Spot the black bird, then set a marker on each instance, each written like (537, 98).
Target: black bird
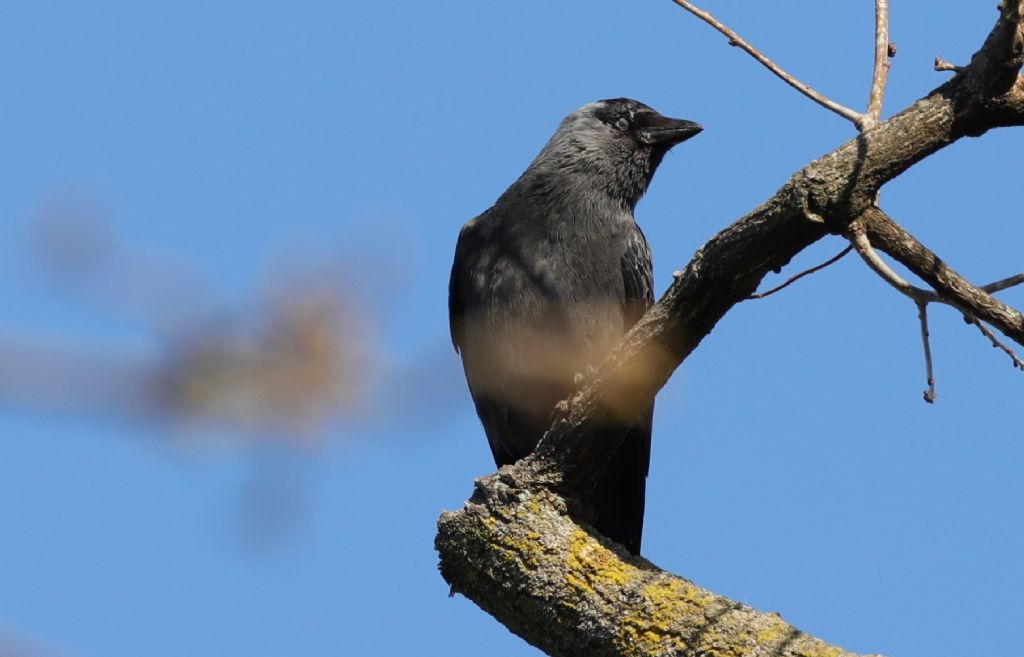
(549, 279)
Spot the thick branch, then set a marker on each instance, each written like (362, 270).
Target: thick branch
(826, 196)
(859, 240)
(997, 65)
(521, 549)
(570, 593)
(977, 297)
(953, 288)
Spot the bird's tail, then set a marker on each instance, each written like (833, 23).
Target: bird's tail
(619, 498)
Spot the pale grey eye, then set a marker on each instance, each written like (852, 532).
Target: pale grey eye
(622, 124)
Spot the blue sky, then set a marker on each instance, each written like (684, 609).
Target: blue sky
(795, 467)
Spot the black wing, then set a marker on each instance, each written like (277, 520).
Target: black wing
(503, 401)
(619, 498)
(637, 278)
(457, 290)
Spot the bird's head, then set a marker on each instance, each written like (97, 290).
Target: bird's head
(617, 144)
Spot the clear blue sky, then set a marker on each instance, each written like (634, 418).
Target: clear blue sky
(795, 467)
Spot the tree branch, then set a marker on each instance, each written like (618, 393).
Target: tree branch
(922, 316)
(860, 241)
(996, 342)
(1004, 284)
(807, 272)
(996, 66)
(569, 592)
(521, 548)
(951, 287)
(975, 299)
(883, 52)
(736, 40)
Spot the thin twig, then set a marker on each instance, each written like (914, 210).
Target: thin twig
(1003, 284)
(996, 342)
(881, 72)
(859, 240)
(922, 314)
(736, 40)
(926, 265)
(831, 261)
(1008, 282)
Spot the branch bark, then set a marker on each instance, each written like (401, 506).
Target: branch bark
(951, 287)
(521, 547)
(570, 592)
(883, 53)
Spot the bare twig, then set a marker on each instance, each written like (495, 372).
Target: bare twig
(1011, 281)
(916, 293)
(953, 288)
(942, 65)
(859, 240)
(512, 547)
(922, 315)
(881, 72)
(831, 261)
(996, 342)
(736, 40)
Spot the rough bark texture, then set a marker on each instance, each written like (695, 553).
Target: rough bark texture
(549, 577)
(521, 549)
(892, 238)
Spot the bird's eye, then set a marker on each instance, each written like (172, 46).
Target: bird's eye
(622, 124)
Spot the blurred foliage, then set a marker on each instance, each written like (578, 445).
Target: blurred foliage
(305, 358)
(10, 647)
(285, 367)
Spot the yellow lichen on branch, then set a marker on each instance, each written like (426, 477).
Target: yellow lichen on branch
(516, 549)
(557, 569)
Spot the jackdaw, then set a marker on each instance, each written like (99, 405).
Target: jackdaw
(548, 280)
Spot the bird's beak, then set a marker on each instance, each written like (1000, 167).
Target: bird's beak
(667, 132)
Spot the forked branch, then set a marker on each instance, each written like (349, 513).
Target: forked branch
(884, 51)
(859, 239)
(521, 547)
(952, 288)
